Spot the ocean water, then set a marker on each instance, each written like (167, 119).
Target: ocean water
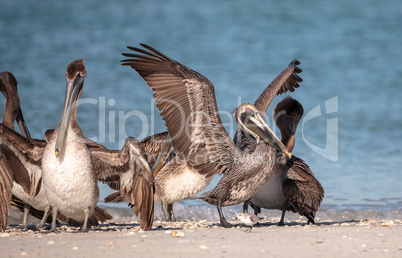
(349, 52)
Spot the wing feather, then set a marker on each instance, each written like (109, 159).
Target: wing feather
(187, 103)
(6, 185)
(24, 157)
(20, 161)
(287, 80)
(134, 173)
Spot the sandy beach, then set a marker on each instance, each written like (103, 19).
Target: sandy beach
(370, 237)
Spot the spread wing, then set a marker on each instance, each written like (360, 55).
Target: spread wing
(154, 144)
(6, 185)
(287, 80)
(187, 103)
(20, 161)
(24, 157)
(134, 175)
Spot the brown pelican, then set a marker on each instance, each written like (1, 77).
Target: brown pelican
(39, 201)
(177, 180)
(292, 186)
(21, 199)
(79, 163)
(8, 86)
(188, 107)
(71, 164)
(174, 180)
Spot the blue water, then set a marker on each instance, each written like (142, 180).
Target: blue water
(349, 52)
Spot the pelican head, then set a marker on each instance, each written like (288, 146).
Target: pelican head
(8, 86)
(75, 81)
(250, 121)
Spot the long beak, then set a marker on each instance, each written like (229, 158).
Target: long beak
(256, 124)
(22, 125)
(162, 156)
(72, 94)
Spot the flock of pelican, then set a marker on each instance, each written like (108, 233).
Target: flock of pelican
(56, 179)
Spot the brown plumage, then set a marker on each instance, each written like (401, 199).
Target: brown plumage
(187, 103)
(137, 188)
(175, 180)
(12, 113)
(172, 181)
(293, 186)
(127, 163)
(287, 80)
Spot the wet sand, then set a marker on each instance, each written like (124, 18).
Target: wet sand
(370, 237)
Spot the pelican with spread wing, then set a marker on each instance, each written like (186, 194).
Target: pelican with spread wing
(175, 179)
(187, 103)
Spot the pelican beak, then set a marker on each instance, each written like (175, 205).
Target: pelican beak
(162, 156)
(73, 92)
(256, 124)
(22, 125)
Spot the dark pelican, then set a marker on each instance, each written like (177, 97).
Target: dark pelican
(8, 86)
(71, 165)
(21, 198)
(176, 179)
(13, 112)
(292, 186)
(188, 107)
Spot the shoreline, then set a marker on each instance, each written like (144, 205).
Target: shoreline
(368, 237)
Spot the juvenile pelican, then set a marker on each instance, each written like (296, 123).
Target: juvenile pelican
(292, 186)
(12, 113)
(22, 198)
(188, 107)
(176, 180)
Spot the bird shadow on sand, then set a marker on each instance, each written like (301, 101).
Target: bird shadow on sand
(181, 225)
(291, 224)
(298, 224)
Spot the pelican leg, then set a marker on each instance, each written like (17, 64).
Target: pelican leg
(54, 220)
(170, 211)
(256, 209)
(44, 218)
(84, 227)
(223, 221)
(310, 220)
(281, 222)
(26, 213)
(164, 207)
(245, 207)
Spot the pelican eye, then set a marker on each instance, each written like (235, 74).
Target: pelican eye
(248, 110)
